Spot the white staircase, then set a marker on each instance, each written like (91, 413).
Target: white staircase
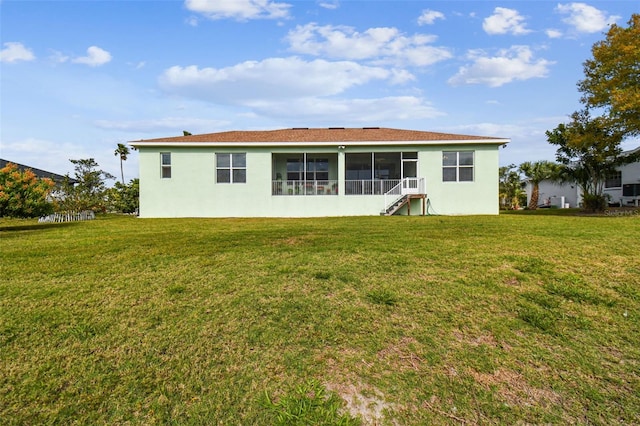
(403, 193)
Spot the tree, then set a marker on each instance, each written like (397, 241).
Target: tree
(512, 195)
(535, 173)
(22, 194)
(124, 198)
(589, 150)
(612, 77)
(89, 193)
(123, 151)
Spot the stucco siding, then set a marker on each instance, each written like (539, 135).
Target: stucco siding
(462, 198)
(630, 174)
(192, 190)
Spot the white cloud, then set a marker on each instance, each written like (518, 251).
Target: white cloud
(505, 21)
(382, 45)
(332, 111)
(176, 124)
(58, 57)
(553, 33)
(30, 151)
(241, 10)
(95, 57)
(14, 52)
(515, 63)
(272, 78)
(332, 5)
(428, 17)
(292, 89)
(192, 21)
(494, 129)
(585, 18)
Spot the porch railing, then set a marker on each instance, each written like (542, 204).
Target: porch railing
(386, 187)
(369, 187)
(304, 187)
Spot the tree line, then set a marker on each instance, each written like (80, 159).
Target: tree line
(589, 145)
(24, 195)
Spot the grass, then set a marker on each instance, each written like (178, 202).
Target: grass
(515, 318)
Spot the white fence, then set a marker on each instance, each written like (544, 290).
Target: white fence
(68, 217)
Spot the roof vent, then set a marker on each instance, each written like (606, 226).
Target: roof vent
(371, 128)
(300, 128)
(336, 128)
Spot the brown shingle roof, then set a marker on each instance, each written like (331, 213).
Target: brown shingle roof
(331, 134)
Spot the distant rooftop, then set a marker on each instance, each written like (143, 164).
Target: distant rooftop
(38, 172)
(329, 135)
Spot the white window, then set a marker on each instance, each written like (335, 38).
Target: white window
(231, 167)
(614, 180)
(457, 166)
(165, 165)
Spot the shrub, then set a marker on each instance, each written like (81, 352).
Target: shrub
(23, 194)
(594, 203)
(124, 198)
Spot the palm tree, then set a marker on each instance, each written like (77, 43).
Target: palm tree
(122, 150)
(535, 173)
(511, 188)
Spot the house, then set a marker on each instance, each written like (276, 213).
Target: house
(58, 179)
(622, 188)
(307, 172)
(555, 194)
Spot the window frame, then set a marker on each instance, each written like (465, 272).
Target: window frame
(165, 168)
(457, 166)
(317, 169)
(613, 180)
(237, 162)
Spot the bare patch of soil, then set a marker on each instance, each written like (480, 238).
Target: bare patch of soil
(400, 355)
(474, 341)
(364, 401)
(513, 388)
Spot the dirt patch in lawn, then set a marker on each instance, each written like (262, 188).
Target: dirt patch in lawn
(400, 355)
(362, 401)
(513, 388)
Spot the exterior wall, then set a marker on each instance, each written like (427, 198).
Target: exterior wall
(573, 195)
(461, 198)
(630, 175)
(553, 192)
(193, 192)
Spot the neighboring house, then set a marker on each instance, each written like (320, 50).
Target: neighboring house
(622, 188)
(553, 194)
(58, 179)
(307, 172)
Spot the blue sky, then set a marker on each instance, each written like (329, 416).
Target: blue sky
(79, 77)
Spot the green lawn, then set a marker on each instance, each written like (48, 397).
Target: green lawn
(388, 320)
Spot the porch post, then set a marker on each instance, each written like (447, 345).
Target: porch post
(341, 171)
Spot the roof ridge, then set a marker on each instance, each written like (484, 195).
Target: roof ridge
(322, 134)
